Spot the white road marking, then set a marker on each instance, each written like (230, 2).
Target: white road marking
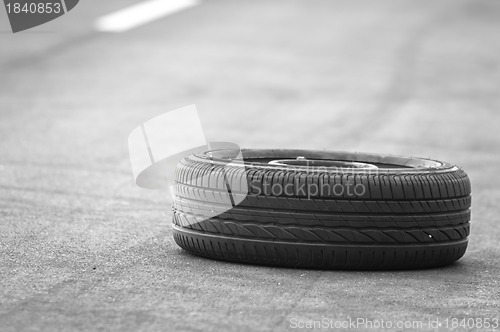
(141, 13)
(64, 6)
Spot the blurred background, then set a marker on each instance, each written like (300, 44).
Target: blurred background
(80, 243)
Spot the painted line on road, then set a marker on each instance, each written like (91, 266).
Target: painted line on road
(64, 6)
(141, 13)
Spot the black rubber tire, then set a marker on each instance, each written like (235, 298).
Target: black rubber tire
(414, 212)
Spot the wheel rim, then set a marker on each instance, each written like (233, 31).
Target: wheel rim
(317, 163)
(260, 158)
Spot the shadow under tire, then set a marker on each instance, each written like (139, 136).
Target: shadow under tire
(412, 213)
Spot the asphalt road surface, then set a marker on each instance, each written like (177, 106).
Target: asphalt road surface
(83, 248)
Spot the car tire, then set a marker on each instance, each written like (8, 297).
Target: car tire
(411, 213)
